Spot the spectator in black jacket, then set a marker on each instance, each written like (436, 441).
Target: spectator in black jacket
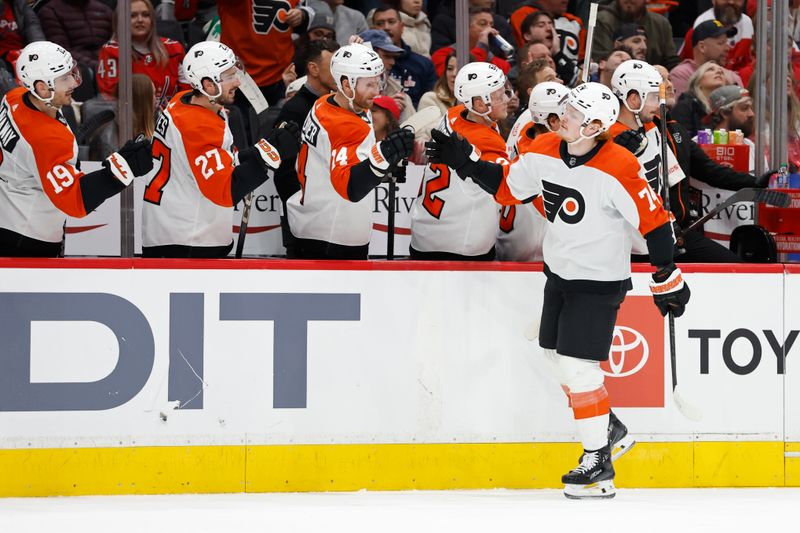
(414, 71)
(317, 64)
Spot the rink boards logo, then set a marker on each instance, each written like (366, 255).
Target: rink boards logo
(562, 202)
(635, 365)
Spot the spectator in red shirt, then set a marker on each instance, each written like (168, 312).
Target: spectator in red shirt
(156, 57)
(481, 26)
(19, 26)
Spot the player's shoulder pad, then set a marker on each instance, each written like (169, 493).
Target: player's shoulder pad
(617, 161)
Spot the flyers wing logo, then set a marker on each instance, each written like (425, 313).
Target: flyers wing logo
(270, 13)
(564, 202)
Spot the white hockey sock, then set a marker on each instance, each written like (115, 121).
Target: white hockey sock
(593, 431)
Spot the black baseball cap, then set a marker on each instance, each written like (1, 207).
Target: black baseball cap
(629, 30)
(711, 28)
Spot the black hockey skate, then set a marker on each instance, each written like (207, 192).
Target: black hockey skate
(618, 439)
(593, 478)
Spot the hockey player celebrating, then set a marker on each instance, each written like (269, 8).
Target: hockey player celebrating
(340, 163)
(188, 205)
(521, 231)
(40, 177)
(455, 219)
(593, 197)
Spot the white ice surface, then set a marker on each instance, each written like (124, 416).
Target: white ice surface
(667, 510)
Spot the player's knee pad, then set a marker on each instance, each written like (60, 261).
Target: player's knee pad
(584, 379)
(551, 360)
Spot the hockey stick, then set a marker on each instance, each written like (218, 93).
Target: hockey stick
(90, 127)
(761, 196)
(256, 98)
(687, 409)
(587, 54)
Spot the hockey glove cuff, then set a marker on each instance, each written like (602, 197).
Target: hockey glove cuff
(632, 140)
(670, 291)
(453, 151)
(268, 153)
(133, 159)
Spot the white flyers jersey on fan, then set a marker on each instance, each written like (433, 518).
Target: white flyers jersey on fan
(452, 214)
(334, 141)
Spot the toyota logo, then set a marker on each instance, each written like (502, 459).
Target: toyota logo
(628, 354)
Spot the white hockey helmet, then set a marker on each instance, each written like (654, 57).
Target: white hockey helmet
(478, 79)
(355, 61)
(45, 61)
(596, 102)
(638, 76)
(209, 59)
(546, 99)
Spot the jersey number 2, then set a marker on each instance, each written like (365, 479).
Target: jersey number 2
(155, 189)
(433, 204)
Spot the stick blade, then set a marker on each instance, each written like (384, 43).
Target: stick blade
(421, 118)
(773, 198)
(688, 410)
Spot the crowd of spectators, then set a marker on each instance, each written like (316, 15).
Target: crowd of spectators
(703, 46)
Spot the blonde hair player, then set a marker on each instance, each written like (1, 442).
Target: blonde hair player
(593, 198)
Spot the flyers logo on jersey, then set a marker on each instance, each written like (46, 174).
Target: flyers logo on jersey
(635, 365)
(562, 202)
(268, 14)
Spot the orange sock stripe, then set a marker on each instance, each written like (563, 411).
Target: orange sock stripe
(590, 404)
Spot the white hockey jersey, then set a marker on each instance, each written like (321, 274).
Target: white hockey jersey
(39, 177)
(591, 202)
(188, 202)
(334, 140)
(451, 214)
(521, 232)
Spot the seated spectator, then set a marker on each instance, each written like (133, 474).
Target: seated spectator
(632, 39)
(441, 97)
(540, 51)
(389, 53)
(533, 74)
(660, 46)
(792, 119)
(443, 28)
(793, 66)
(19, 26)
(481, 26)
(692, 106)
(319, 28)
(385, 116)
(414, 71)
(729, 13)
(709, 43)
(156, 57)
(416, 26)
(513, 111)
(732, 109)
(609, 64)
(570, 29)
(80, 26)
(346, 20)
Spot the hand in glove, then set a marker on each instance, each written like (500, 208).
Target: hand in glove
(632, 140)
(670, 292)
(763, 180)
(453, 151)
(286, 139)
(397, 146)
(135, 158)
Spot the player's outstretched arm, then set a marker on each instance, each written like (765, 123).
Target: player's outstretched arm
(458, 154)
(134, 159)
(356, 182)
(255, 162)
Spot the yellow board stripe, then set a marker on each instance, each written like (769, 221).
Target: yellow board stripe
(345, 467)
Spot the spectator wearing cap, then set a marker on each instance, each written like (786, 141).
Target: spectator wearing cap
(729, 13)
(632, 39)
(660, 46)
(385, 116)
(414, 71)
(443, 30)
(389, 53)
(481, 27)
(732, 109)
(320, 27)
(710, 42)
(693, 105)
(319, 82)
(346, 20)
(608, 65)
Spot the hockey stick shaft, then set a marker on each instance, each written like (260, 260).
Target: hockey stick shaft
(662, 105)
(247, 201)
(390, 222)
(587, 57)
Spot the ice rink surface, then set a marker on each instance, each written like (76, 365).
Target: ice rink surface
(633, 510)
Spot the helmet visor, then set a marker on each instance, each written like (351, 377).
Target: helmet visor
(69, 81)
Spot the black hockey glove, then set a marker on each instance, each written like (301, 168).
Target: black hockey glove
(387, 153)
(669, 290)
(453, 151)
(286, 139)
(763, 180)
(135, 158)
(632, 140)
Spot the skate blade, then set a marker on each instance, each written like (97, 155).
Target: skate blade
(599, 490)
(622, 447)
